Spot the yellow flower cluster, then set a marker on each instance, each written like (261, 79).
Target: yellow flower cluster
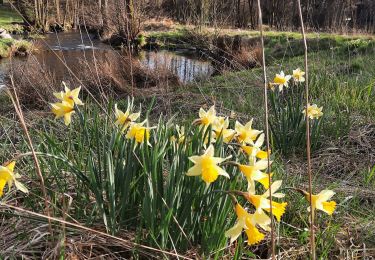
(208, 167)
(125, 120)
(65, 108)
(313, 111)
(281, 80)
(255, 171)
(243, 134)
(134, 130)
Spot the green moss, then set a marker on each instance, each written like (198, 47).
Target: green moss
(10, 46)
(5, 46)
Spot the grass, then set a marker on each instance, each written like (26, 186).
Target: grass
(341, 79)
(10, 20)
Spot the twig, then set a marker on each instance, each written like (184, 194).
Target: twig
(308, 145)
(267, 127)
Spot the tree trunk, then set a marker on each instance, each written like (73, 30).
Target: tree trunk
(57, 5)
(104, 13)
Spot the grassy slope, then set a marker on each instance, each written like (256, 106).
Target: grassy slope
(8, 19)
(342, 80)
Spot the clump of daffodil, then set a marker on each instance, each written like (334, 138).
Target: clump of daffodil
(63, 110)
(245, 134)
(313, 111)
(139, 132)
(206, 118)
(281, 80)
(262, 202)
(70, 96)
(7, 176)
(206, 165)
(298, 75)
(221, 128)
(320, 201)
(124, 119)
(248, 222)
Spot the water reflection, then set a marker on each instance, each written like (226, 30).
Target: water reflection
(72, 48)
(186, 68)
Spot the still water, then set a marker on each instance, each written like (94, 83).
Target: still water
(58, 52)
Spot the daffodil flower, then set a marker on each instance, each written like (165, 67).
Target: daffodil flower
(63, 109)
(206, 165)
(298, 75)
(313, 111)
(254, 173)
(320, 201)
(220, 127)
(247, 222)
(255, 151)
(245, 133)
(139, 132)
(70, 96)
(123, 119)
(281, 80)
(207, 118)
(180, 135)
(262, 202)
(7, 176)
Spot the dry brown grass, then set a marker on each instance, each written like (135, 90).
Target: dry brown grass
(29, 239)
(236, 53)
(115, 75)
(160, 24)
(34, 83)
(348, 156)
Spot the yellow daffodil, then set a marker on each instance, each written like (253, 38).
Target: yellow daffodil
(262, 202)
(139, 132)
(245, 133)
(320, 201)
(7, 176)
(63, 109)
(247, 222)
(70, 96)
(180, 135)
(313, 111)
(254, 173)
(206, 165)
(298, 75)
(254, 151)
(281, 80)
(123, 119)
(220, 127)
(207, 118)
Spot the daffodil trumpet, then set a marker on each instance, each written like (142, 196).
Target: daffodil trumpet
(207, 166)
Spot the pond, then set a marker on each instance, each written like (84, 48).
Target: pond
(72, 48)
